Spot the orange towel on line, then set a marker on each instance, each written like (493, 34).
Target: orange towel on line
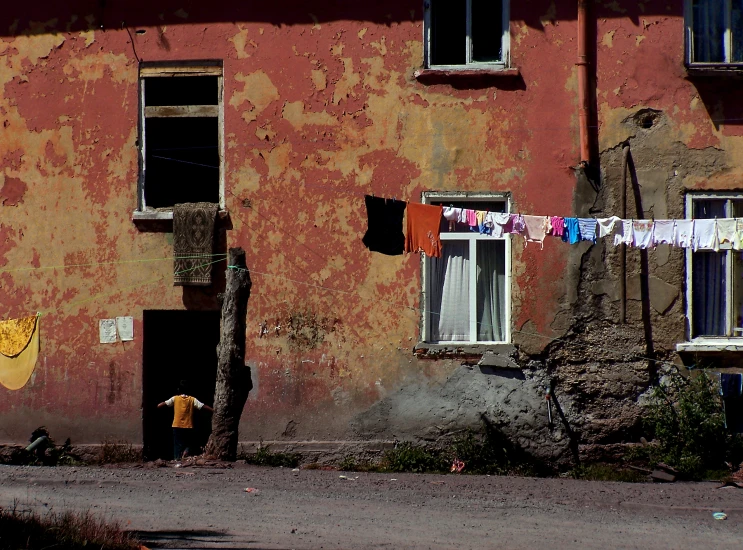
(424, 226)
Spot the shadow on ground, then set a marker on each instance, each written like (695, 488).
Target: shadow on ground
(193, 539)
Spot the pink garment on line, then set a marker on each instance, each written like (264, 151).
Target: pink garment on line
(471, 217)
(558, 226)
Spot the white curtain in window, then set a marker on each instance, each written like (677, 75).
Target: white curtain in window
(491, 290)
(708, 294)
(449, 293)
(709, 30)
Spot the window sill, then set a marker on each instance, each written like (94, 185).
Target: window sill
(162, 220)
(434, 76)
(714, 70)
(715, 345)
(492, 355)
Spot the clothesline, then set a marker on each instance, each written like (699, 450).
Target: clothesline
(425, 222)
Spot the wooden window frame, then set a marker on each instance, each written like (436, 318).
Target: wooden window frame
(434, 196)
(728, 40)
(182, 69)
(729, 313)
(502, 64)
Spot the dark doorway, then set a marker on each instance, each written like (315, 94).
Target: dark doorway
(178, 345)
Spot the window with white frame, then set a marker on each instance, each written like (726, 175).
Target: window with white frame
(715, 279)
(714, 31)
(180, 138)
(467, 298)
(466, 33)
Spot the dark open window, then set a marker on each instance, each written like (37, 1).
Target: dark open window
(181, 135)
(466, 32)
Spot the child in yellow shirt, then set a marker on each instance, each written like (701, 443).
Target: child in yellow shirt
(183, 408)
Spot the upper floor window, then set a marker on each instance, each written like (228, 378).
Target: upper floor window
(714, 31)
(180, 138)
(466, 294)
(466, 33)
(715, 278)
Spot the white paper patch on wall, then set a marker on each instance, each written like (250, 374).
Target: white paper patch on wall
(107, 330)
(125, 327)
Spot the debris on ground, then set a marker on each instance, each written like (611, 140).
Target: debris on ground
(720, 515)
(457, 466)
(252, 490)
(664, 473)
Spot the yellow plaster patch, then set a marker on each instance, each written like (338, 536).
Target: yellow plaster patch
(36, 47)
(319, 80)
(315, 22)
(295, 115)
(348, 81)
(239, 41)
(258, 90)
(380, 46)
(608, 39)
(93, 67)
(88, 36)
(522, 31)
(362, 32)
(336, 49)
(639, 39)
(265, 132)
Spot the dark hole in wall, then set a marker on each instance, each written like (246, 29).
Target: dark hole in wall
(182, 161)
(181, 90)
(646, 118)
(178, 345)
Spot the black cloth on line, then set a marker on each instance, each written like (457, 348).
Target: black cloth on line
(385, 225)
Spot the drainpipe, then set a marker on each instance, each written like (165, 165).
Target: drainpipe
(583, 83)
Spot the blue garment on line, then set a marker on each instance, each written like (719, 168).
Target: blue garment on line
(587, 228)
(572, 231)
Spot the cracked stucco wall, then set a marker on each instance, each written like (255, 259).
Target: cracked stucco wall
(321, 107)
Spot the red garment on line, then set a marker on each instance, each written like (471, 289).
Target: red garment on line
(424, 226)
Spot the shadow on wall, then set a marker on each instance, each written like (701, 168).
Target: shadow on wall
(721, 96)
(138, 13)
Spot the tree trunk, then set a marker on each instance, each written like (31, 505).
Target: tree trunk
(233, 377)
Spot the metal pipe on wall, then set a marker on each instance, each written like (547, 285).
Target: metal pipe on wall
(583, 81)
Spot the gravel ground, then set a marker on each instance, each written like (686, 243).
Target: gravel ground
(209, 508)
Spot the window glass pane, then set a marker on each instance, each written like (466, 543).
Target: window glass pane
(487, 28)
(708, 293)
(712, 208)
(709, 30)
(448, 32)
(182, 161)
(491, 290)
(737, 29)
(448, 317)
(181, 90)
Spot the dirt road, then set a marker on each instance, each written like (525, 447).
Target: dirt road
(209, 508)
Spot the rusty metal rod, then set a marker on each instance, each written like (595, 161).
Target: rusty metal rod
(623, 247)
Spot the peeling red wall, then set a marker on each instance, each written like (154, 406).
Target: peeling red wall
(321, 106)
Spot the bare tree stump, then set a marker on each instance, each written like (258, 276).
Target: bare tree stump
(233, 377)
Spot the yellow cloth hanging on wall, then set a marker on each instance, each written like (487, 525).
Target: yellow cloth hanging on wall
(16, 369)
(15, 334)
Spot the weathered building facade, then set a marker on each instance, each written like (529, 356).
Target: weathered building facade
(287, 114)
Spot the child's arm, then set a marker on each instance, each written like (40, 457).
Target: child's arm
(168, 403)
(208, 408)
